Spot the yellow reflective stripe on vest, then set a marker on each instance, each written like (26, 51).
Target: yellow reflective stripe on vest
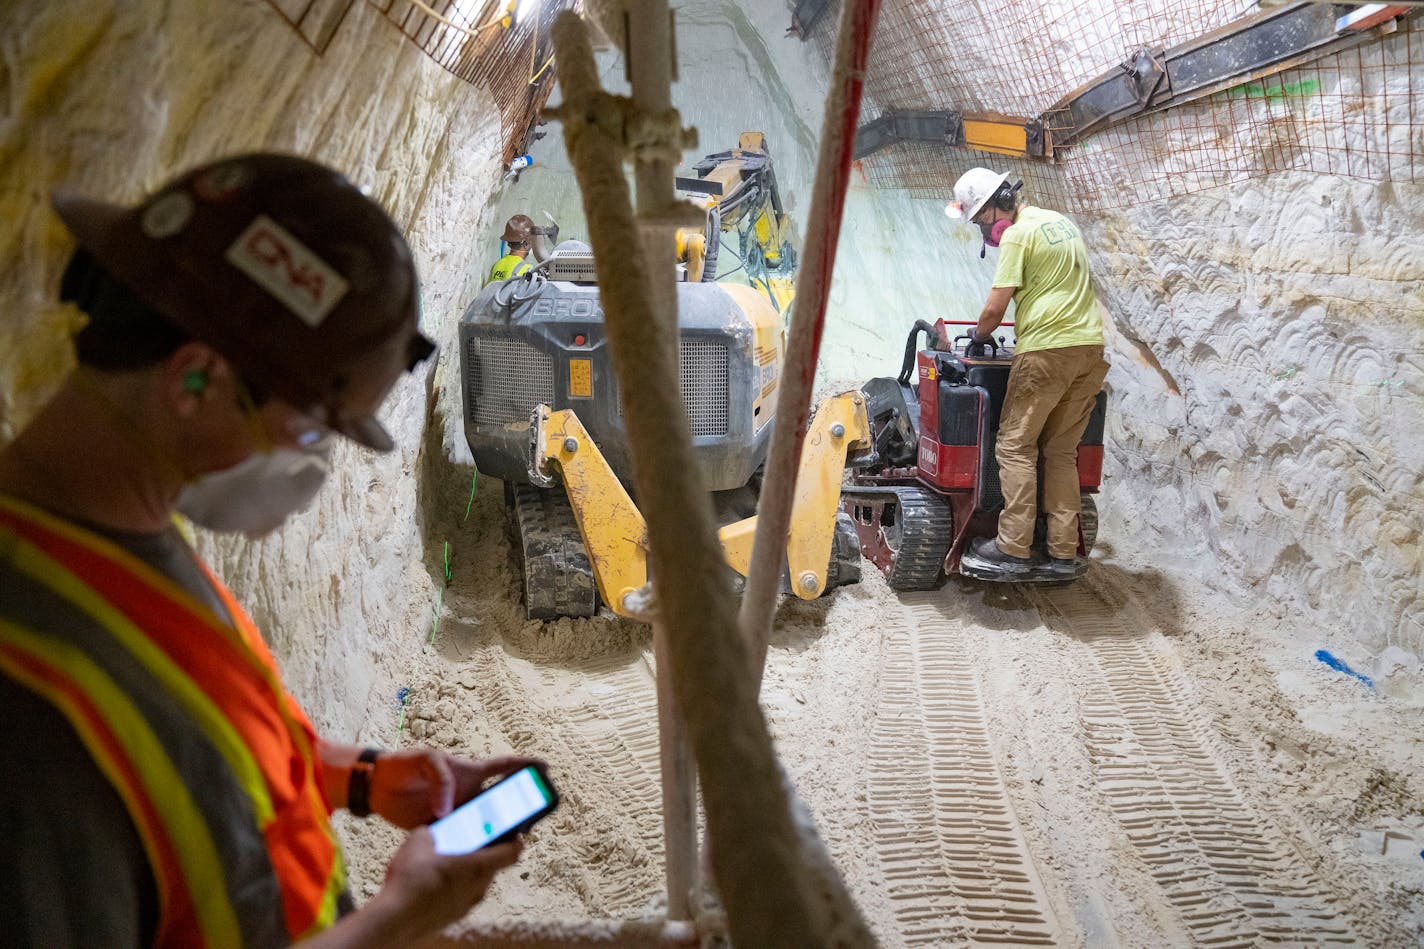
(162, 783)
(510, 265)
(215, 726)
(326, 916)
(144, 571)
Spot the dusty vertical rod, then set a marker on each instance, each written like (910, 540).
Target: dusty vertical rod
(756, 844)
(649, 55)
(678, 773)
(808, 318)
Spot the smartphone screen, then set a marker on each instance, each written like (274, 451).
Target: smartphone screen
(517, 800)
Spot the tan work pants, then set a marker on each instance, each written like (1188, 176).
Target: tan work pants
(1051, 394)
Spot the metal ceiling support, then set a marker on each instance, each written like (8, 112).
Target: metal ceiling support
(805, 16)
(985, 131)
(1001, 134)
(895, 126)
(1154, 79)
(1151, 79)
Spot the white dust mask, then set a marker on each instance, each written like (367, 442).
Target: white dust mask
(257, 494)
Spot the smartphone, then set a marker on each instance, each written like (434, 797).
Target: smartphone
(497, 813)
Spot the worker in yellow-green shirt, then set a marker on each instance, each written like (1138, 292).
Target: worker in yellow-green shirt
(1057, 371)
(518, 237)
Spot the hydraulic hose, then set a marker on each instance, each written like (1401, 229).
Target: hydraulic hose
(714, 244)
(907, 367)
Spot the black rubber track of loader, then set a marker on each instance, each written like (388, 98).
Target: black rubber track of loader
(926, 531)
(558, 578)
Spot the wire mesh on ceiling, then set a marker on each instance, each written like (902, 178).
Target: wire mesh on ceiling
(1018, 57)
(316, 21)
(1357, 113)
(487, 44)
(494, 44)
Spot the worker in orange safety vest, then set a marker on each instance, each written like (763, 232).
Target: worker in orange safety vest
(160, 785)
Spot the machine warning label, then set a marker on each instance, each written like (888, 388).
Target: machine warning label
(580, 378)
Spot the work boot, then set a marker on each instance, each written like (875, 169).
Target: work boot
(1069, 568)
(985, 551)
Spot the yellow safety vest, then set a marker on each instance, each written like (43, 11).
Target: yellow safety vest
(187, 718)
(510, 265)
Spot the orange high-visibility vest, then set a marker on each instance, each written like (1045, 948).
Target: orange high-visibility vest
(187, 717)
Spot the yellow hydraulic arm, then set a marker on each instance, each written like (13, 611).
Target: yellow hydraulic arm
(839, 426)
(615, 534)
(613, 529)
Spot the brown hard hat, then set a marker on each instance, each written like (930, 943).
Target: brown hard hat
(518, 229)
(284, 267)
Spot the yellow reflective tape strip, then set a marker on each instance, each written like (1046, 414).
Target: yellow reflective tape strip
(129, 562)
(46, 571)
(187, 831)
(335, 884)
(234, 632)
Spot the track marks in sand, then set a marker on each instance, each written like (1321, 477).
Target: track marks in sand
(600, 725)
(954, 860)
(1217, 862)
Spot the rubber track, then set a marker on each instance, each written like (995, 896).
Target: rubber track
(926, 531)
(955, 862)
(1219, 863)
(558, 578)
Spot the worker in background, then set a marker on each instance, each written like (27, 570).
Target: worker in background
(522, 239)
(161, 787)
(518, 239)
(1057, 371)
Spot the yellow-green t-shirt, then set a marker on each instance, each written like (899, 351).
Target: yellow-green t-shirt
(1043, 256)
(510, 265)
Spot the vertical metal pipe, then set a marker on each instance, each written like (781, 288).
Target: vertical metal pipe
(808, 319)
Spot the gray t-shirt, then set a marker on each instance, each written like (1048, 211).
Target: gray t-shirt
(73, 871)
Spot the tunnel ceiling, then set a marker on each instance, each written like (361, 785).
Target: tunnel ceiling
(1350, 106)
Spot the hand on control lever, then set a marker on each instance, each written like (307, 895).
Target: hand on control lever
(981, 348)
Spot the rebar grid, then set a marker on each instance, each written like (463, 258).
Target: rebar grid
(315, 21)
(1357, 113)
(470, 39)
(1019, 57)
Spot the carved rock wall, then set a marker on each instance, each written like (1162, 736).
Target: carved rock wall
(117, 97)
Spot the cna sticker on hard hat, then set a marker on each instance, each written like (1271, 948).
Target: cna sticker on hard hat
(167, 215)
(287, 269)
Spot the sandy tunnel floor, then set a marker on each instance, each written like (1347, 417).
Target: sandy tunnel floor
(1127, 761)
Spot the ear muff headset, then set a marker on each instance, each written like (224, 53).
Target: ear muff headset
(1006, 197)
(195, 381)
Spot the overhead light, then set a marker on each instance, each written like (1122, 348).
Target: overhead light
(527, 8)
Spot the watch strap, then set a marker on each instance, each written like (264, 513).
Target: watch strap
(358, 786)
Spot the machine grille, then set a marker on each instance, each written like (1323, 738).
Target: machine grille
(507, 379)
(574, 267)
(703, 368)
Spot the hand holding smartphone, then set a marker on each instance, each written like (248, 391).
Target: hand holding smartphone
(508, 807)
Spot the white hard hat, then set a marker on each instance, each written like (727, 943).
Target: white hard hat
(972, 191)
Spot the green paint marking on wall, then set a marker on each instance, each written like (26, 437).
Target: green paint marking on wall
(1278, 90)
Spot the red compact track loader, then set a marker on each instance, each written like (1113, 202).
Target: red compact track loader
(931, 483)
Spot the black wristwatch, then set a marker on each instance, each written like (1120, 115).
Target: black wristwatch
(358, 786)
